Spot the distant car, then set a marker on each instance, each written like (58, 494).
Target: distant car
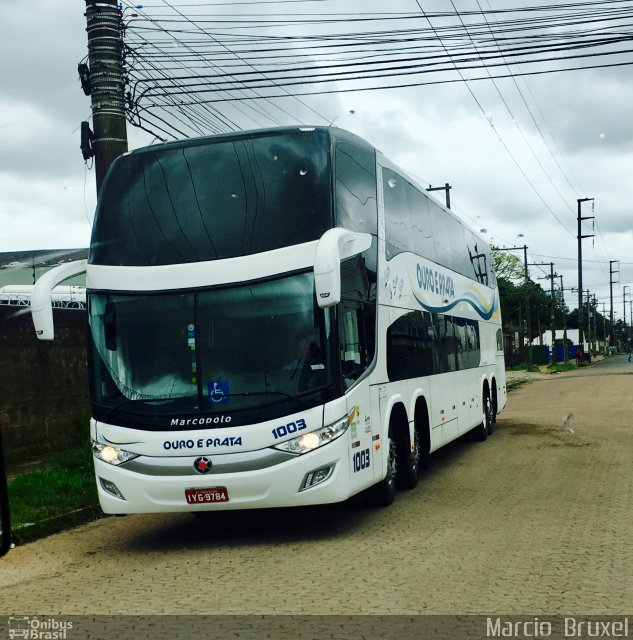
(12, 264)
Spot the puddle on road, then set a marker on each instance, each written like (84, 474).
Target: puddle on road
(551, 435)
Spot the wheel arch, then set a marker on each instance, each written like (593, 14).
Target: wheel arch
(422, 424)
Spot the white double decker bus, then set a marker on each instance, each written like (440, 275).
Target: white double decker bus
(278, 318)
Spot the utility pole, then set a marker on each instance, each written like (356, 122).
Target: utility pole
(447, 188)
(550, 277)
(104, 82)
(611, 272)
(589, 334)
(624, 331)
(594, 310)
(528, 315)
(562, 299)
(528, 319)
(580, 238)
(553, 306)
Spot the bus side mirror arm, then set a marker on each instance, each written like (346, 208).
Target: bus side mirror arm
(334, 246)
(41, 304)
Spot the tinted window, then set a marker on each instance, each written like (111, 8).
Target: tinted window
(421, 344)
(355, 169)
(397, 218)
(400, 350)
(447, 344)
(481, 261)
(421, 224)
(357, 318)
(201, 352)
(213, 199)
(467, 343)
(414, 222)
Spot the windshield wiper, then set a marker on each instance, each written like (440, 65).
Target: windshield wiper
(246, 394)
(165, 401)
(122, 403)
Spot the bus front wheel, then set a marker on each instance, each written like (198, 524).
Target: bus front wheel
(384, 493)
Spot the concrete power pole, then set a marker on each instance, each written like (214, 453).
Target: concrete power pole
(594, 310)
(105, 84)
(447, 189)
(624, 331)
(611, 272)
(528, 319)
(528, 313)
(580, 237)
(562, 299)
(551, 277)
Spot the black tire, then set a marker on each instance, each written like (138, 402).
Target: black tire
(484, 429)
(409, 462)
(384, 493)
(492, 416)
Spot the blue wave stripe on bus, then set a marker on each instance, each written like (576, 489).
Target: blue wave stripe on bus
(484, 313)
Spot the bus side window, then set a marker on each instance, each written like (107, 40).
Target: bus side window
(398, 227)
(447, 342)
(357, 319)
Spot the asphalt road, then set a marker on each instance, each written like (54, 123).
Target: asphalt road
(536, 520)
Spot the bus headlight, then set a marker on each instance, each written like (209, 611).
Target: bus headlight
(315, 439)
(111, 453)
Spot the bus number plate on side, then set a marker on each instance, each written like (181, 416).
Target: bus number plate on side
(203, 496)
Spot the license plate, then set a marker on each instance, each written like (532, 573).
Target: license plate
(204, 496)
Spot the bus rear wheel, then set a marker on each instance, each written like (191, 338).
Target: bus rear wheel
(409, 462)
(484, 429)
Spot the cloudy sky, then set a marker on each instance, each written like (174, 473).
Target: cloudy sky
(517, 154)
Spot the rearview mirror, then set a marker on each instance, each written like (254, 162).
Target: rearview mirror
(334, 246)
(41, 304)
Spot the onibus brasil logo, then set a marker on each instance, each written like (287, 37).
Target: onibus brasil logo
(37, 628)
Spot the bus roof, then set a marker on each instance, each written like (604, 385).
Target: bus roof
(332, 132)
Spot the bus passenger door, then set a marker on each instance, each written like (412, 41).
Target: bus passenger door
(356, 319)
(363, 462)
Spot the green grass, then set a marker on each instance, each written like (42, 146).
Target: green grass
(54, 498)
(561, 366)
(514, 383)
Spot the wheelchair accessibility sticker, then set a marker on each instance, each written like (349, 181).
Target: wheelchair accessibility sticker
(218, 391)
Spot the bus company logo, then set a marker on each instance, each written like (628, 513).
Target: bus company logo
(202, 465)
(203, 442)
(198, 422)
(435, 281)
(34, 628)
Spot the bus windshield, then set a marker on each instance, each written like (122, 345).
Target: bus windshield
(212, 199)
(212, 350)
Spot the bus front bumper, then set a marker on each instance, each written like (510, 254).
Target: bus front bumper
(152, 485)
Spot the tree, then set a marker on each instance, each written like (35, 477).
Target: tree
(507, 265)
